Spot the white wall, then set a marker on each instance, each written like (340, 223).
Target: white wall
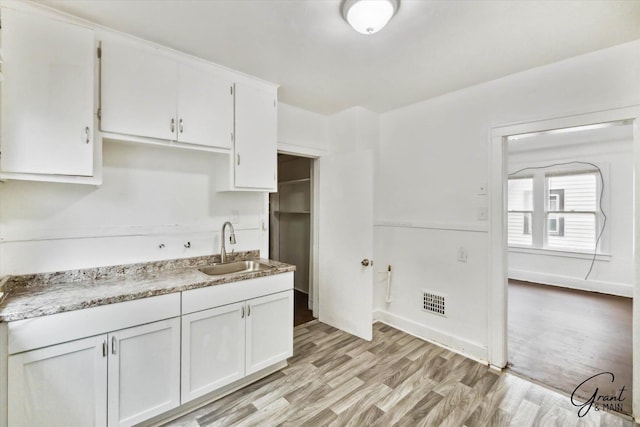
(433, 159)
(151, 195)
(301, 132)
(612, 273)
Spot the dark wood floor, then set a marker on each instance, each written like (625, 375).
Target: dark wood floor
(560, 337)
(336, 379)
(301, 312)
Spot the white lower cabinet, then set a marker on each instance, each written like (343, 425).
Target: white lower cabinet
(60, 385)
(224, 344)
(122, 364)
(269, 330)
(66, 384)
(144, 372)
(212, 349)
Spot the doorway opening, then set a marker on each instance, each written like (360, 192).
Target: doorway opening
(570, 259)
(291, 228)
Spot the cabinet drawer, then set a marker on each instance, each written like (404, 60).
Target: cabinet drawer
(42, 331)
(217, 295)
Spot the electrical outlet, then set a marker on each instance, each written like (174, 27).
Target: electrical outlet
(462, 254)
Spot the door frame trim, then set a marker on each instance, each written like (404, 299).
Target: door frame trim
(497, 272)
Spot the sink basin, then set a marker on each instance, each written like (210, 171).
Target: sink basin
(234, 267)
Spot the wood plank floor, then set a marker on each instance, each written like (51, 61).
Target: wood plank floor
(560, 337)
(335, 379)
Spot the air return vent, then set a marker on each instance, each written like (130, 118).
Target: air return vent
(433, 303)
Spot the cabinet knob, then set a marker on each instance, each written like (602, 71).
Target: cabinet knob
(365, 262)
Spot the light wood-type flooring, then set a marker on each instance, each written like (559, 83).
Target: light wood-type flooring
(337, 379)
(560, 337)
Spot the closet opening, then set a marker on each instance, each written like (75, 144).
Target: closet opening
(291, 233)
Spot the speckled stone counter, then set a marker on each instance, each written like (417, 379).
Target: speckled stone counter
(27, 296)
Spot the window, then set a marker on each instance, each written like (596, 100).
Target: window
(572, 211)
(554, 210)
(520, 211)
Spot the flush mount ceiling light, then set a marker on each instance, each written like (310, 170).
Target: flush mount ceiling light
(369, 16)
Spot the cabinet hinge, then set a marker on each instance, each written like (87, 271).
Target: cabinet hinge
(99, 52)
(99, 113)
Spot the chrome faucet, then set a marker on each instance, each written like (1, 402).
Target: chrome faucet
(232, 240)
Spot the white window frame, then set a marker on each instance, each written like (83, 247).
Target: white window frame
(541, 211)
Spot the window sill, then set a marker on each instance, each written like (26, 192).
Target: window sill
(559, 253)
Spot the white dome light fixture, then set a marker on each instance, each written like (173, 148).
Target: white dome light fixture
(369, 16)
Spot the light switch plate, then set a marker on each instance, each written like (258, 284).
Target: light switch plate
(235, 217)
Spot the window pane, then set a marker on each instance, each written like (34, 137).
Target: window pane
(519, 228)
(571, 231)
(572, 192)
(520, 194)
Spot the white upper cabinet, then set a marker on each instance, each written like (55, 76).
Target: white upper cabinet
(256, 145)
(47, 96)
(205, 107)
(145, 93)
(138, 92)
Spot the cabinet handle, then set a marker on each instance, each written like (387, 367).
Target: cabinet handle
(173, 125)
(238, 159)
(242, 312)
(104, 348)
(248, 310)
(113, 345)
(181, 125)
(87, 135)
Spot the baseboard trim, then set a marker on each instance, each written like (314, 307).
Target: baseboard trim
(466, 348)
(610, 288)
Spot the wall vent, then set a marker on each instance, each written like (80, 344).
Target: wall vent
(433, 303)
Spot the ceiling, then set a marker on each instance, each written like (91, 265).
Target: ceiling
(429, 48)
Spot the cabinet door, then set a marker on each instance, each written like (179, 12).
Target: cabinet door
(138, 91)
(47, 96)
(60, 385)
(212, 349)
(144, 372)
(256, 138)
(205, 107)
(269, 330)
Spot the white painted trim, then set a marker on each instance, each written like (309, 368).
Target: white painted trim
(314, 271)
(122, 138)
(636, 290)
(556, 253)
(466, 348)
(478, 227)
(497, 338)
(4, 375)
(610, 288)
(39, 234)
(300, 150)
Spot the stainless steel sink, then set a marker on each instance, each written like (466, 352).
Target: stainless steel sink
(234, 267)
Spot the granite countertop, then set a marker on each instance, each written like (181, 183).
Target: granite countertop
(33, 295)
